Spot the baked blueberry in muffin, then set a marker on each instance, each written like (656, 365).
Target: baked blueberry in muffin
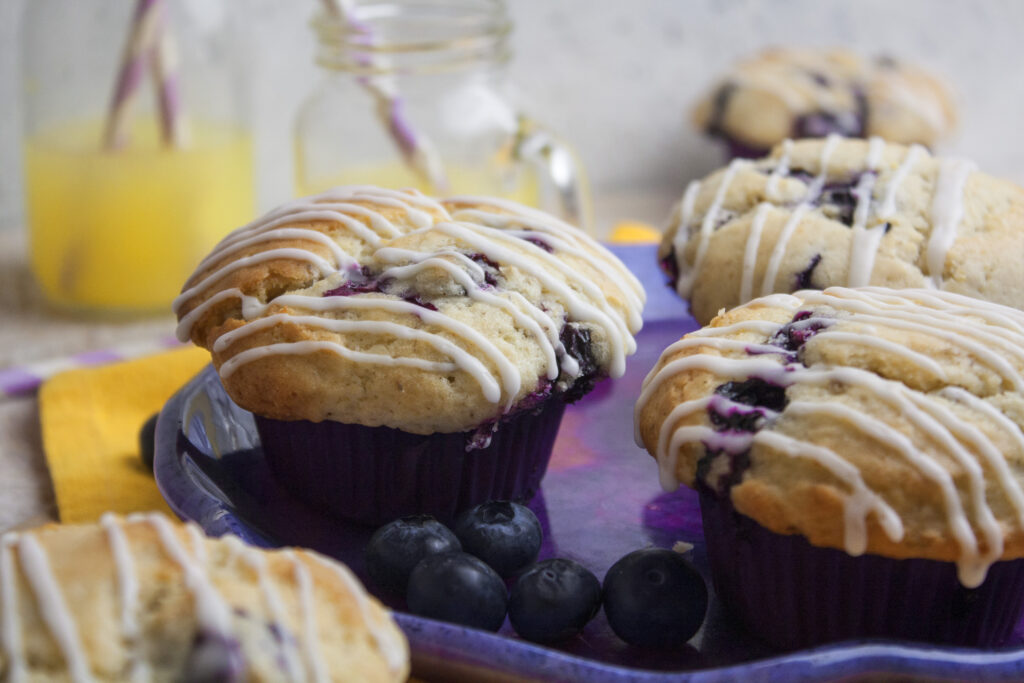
(805, 93)
(859, 455)
(146, 599)
(379, 335)
(818, 213)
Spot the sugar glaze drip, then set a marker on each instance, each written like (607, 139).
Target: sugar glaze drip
(950, 317)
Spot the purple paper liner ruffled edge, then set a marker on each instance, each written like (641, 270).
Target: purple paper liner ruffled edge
(373, 475)
(795, 595)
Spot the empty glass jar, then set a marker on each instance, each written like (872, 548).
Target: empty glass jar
(414, 94)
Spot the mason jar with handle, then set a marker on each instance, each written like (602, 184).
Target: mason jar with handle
(414, 93)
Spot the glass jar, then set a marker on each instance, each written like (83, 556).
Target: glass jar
(413, 94)
(137, 158)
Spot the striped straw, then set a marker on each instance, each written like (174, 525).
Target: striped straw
(417, 150)
(150, 46)
(21, 380)
(164, 68)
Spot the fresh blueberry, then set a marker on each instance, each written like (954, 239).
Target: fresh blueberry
(553, 600)
(397, 547)
(754, 392)
(654, 598)
(793, 335)
(577, 343)
(147, 441)
(803, 278)
(458, 588)
(503, 534)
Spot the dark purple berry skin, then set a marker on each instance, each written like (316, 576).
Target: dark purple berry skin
(505, 535)
(654, 598)
(147, 441)
(458, 588)
(553, 600)
(398, 546)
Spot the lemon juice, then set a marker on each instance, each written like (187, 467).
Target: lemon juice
(121, 230)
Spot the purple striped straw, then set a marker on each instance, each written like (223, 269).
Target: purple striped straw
(149, 45)
(416, 149)
(21, 380)
(164, 67)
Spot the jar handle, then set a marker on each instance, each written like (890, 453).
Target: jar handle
(565, 185)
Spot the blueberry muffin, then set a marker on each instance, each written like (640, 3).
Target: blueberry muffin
(818, 213)
(147, 599)
(803, 93)
(404, 354)
(859, 455)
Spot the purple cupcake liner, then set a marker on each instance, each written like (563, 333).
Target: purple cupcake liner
(373, 475)
(794, 595)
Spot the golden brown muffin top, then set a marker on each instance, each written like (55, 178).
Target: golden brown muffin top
(802, 93)
(381, 307)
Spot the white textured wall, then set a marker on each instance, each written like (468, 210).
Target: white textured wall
(617, 76)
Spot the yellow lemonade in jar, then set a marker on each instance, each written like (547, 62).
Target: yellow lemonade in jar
(122, 230)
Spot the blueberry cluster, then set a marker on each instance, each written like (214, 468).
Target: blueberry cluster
(749, 403)
(652, 597)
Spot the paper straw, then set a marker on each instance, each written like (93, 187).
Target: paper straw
(149, 45)
(164, 70)
(416, 149)
(21, 380)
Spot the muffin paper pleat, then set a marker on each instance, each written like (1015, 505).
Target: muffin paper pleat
(795, 595)
(376, 474)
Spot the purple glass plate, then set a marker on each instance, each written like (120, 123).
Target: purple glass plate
(599, 501)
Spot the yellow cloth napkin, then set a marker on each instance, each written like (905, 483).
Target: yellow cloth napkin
(90, 422)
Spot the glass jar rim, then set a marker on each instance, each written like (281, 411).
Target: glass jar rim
(387, 36)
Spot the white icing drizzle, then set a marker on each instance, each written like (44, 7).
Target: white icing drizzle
(251, 307)
(750, 252)
(814, 189)
(533, 318)
(868, 338)
(942, 315)
(502, 234)
(128, 593)
(275, 605)
(864, 242)
(461, 359)
(771, 272)
(1011, 486)
(11, 641)
(862, 499)
(212, 612)
(295, 253)
(391, 647)
(947, 210)
(540, 266)
(781, 169)
(307, 606)
(685, 214)
(52, 609)
(560, 236)
(687, 275)
(889, 203)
